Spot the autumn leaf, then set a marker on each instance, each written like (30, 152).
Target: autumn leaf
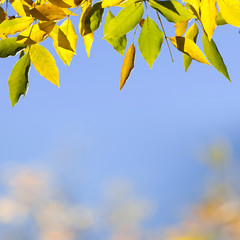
(111, 3)
(180, 28)
(128, 65)
(192, 33)
(189, 47)
(209, 14)
(44, 63)
(15, 25)
(230, 10)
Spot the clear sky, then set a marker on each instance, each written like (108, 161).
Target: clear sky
(150, 133)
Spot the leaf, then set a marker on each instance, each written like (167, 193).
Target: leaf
(180, 28)
(47, 12)
(220, 20)
(3, 15)
(111, 3)
(118, 43)
(36, 33)
(208, 16)
(67, 30)
(172, 10)
(88, 41)
(230, 11)
(195, 6)
(125, 21)
(44, 63)
(21, 8)
(94, 18)
(189, 47)
(66, 3)
(127, 3)
(15, 25)
(10, 47)
(18, 80)
(214, 56)
(192, 33)
(128, 65)
(150, 41)
(83, 29)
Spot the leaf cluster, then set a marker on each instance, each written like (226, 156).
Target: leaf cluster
(35, 21)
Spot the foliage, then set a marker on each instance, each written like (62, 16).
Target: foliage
(34, 21)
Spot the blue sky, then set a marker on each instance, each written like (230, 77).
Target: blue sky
(149, 133)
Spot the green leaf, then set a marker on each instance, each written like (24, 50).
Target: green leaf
(18, 80)
(192, 33)
(220, 20)
(172, 10)
(94, 17)
(150, 41)
(118, 43)
(10, 47)
(214, 57)
(125, 21)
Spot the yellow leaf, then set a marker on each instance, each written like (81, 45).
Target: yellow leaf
(195, 5)
(65, 41)
(230, 10)
(111, 3)
(180, 28)
(48, 12)
(66, 3)
(208, 16)
(20, 8)
(188, 46)
(128, 65)
(44, 63)
(15, 25)
(88, 40)
(36, 33)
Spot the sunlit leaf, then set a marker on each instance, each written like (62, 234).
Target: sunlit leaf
(18, 80)
(127, 3)
(110, 3)
(172, 10)
(36, 33)
(208, 16)
(230, 10)
(66, 3)
(214, 57)
(118, 43)
(47, 12)
(21, 8)
(180, 28)
(128, 65)
(83, 29)
(88, 41)
(195, 6)
(150, 41)
(44, 63)
(189, 47)
(15, 25)
(10, 47)
(125, 21)
(192, 33)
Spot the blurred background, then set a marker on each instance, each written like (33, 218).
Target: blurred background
(158, 160)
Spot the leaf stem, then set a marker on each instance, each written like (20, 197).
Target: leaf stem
(165, 36)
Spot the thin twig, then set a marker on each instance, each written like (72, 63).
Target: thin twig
(165, 36)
